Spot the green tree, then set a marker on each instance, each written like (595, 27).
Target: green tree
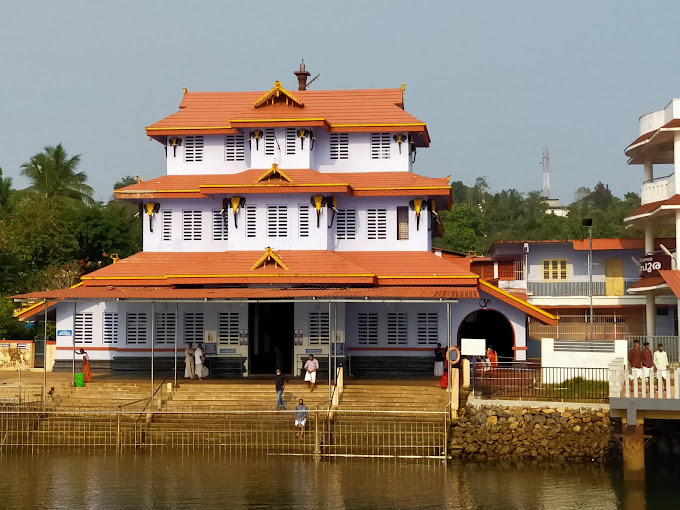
(5, 190)
(54, 174)
(128, 180)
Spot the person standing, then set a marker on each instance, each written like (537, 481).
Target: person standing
(189, 372)
(635, 361)
(311, 366)
(647, 362)
(439, 358)
(198, 361)
(661, 364)
(281, 382)
(87, 370)
(301, 418)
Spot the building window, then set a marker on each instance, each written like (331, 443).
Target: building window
(227, 328)
(376, 224)
(234, 148)
(367, 328)
(339, 145)
(269, 141)
(555, 269)
(193, 327)
(290, 141)
(346, 224)
(191, 225)
(110, 328)
(518, 266)
(303, 220)
(166, 323)
(380, 146)
(83, 328)
(319, 328)
(193, 149)
(251, 221)
(135, 327)
(220, 226)
(277, 221)
(402, 223)
(428, 328)
(167, 225)
(397, 328)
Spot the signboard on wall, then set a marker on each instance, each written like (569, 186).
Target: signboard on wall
(227, 350)
(298, 337)
(209, 349)
(243, 337)
(651, 264)
(340, 349)
(314, 351)
(209, 337)
(473, 346)
(64, 332)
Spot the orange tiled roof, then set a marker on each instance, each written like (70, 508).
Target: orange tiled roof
(653, 207)
(336, 110)
(647, 137)
(672, 278)
(301, 181)
(647, 282)
(517, 302)
(616, 243)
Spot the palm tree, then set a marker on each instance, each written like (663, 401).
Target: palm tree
(5, 189)
(53, 174)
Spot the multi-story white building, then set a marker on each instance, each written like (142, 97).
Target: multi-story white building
(288, 224)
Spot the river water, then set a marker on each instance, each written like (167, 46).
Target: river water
(173, 480)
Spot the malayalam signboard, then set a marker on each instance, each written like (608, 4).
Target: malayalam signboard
(651, 264)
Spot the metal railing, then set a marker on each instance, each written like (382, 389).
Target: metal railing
(572, 288)
(671, 344)
(351, 433)
(563, 384)
(578, 327)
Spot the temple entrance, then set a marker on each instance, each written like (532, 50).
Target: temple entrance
(494, 327)
(271, 337)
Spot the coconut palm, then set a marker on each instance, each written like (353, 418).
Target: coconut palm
(54, 174)
(5, 189)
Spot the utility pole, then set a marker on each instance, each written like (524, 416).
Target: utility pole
(588, 222)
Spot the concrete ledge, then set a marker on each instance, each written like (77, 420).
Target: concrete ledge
(479, 402)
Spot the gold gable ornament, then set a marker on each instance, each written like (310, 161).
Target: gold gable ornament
(278, 94)
(274, 173)
(269, 256)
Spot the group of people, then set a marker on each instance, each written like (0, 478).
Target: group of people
(643, 362)
(194, 362)
(301, 410)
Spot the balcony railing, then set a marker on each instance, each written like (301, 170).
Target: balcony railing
(578, 327)
(661, 188)
(572, 288)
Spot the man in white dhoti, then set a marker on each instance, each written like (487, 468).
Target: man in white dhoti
(198, 361)
(661, 363)
(189, 372)
(311, 366)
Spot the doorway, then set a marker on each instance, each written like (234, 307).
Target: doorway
(271, 337)
(492, 326)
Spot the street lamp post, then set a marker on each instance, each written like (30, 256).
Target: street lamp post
(588, 222)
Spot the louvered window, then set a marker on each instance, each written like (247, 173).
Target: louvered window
(166, 323)
(339, 145)
(319, 328)
(277, 221)
(167, 225)
(380, 146)
(193, 149)
(227, 328)
(303, 220)
(402, 223)
(234, 148)
(110, 328)
(83, 328)
(367, 328)
(191, 225)
(428, 328)
(376, 224)
(251, 221)
(220, 226)
(346, 224)
(290, 141)
(397, 328)
(135, 327)
(269, 141)
(193, 327)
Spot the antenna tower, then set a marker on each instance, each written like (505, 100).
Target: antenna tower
(545, 160)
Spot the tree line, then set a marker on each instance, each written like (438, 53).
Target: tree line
(53, 231)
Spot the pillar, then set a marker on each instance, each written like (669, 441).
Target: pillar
(650, 313)
(649, 239)
(466, 373)
(649, 170)
(676, 151)
(633, 453)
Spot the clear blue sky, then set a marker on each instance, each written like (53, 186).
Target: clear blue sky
(494, 80)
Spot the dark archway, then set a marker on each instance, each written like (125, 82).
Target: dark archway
(494, 327)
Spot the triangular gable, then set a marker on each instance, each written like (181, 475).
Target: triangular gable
(278, 95)
(269, 256)
(274, 173)
(531, 310)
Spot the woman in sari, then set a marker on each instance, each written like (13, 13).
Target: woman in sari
(189, 361)
(87, 371)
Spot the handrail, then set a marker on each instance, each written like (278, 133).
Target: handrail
(655, 179)
(338, 389)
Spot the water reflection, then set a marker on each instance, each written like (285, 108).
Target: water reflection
(174, 480)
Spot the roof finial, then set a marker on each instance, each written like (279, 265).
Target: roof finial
(302, 76)
(185, 90)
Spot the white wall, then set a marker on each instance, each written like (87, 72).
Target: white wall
(577, 359)
(359, 155)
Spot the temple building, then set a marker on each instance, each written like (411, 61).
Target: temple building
(289, 223)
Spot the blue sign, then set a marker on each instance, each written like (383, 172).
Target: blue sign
(65, 332)
(314, 351)
(227, 351)
(340, 348)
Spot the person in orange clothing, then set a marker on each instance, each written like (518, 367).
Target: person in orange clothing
(87, 371)
(493, 357)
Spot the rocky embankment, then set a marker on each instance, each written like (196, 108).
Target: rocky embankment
(529, 433)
